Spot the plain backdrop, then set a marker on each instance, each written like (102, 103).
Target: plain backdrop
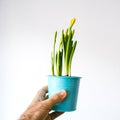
(26, 38)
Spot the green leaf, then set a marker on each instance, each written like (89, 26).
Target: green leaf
(71, 56)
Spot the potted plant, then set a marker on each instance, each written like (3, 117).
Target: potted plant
(57, 81)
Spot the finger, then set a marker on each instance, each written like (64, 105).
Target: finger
(43, 92)
(55, 115)
(40, 94)
(59, 97)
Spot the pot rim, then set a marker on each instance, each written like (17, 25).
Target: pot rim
(65, 76)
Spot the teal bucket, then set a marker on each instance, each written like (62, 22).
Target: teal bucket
(68, 83)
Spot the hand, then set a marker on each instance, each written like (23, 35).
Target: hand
(40, 107)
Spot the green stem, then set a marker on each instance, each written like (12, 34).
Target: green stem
(53, 54)
(68, 52)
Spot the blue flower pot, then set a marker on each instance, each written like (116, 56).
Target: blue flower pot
(68, 83)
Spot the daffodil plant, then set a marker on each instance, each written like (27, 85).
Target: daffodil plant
(64, 54)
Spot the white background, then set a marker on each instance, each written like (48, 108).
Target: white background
(26, 38)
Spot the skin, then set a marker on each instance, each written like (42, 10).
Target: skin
(40, 107)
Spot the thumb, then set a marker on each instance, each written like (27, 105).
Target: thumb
(59, 97)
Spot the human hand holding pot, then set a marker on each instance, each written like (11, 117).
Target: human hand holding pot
(40, 107)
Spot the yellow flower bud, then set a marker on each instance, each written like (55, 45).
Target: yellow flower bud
(72, 22)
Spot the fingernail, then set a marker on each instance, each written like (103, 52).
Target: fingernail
(63, 93)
